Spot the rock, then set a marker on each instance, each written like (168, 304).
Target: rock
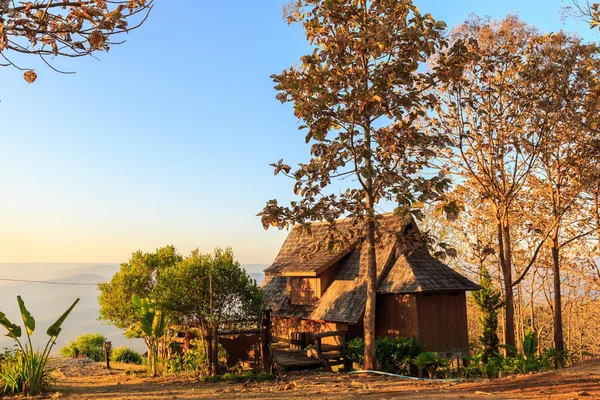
(583, 393)
(480, 393)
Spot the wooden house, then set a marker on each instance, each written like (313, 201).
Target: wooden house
(311, 289)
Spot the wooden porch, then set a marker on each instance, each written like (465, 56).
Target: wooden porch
(288, 359)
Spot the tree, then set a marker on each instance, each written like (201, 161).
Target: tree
(488, 115)
(89, 345)
(489, 302)
(138, 276)
(152, 326)
(586, 10)
(360, 94)
(564, 173)
(48, 28)
(209, 290)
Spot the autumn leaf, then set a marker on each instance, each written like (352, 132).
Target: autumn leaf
(30, 76)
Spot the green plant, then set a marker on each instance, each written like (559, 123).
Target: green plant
(355, 350)
(427, 361)
(89, 345)
(211, 379)
(125, 355)
(152, 327)
(31, 363)
(393, 355)
(489, 302)
(174, 365)
(396, 355)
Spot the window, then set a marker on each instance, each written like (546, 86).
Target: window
(304, 290)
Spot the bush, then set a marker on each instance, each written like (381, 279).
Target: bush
(125, 355)
(355, 350)
(89, 345)
(14, 372)
(27, 372)
(393, 355)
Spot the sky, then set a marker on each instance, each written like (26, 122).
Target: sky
(167, 139)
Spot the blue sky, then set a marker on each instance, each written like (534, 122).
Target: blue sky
(168, 138)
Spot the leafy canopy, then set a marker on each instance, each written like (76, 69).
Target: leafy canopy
(209, 289)
(138, 276)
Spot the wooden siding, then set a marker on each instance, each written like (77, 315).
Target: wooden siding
(442, 321)
(281, 328)
(396, 316)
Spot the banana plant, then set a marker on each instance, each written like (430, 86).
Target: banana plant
(33, 361)
(151, 327)
(530, 349)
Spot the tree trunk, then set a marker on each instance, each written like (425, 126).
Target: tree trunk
(509, 314)
(371, 281)
(558, 324)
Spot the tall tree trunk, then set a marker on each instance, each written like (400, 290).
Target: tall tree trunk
(506, 260)
(369, 319)
(558, 323)
(371, 273)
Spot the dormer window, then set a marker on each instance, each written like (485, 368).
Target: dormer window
(304, 290)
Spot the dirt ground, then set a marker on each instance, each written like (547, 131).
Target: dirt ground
(79, 380)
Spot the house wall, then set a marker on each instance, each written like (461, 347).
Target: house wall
(281, 328)
(442, 321)
(396, 316)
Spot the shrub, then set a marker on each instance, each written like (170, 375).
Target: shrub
(125, 355)
(393, 355)
(88, 345)
(14, 372)
(396, 355)
(355, 350)
(28, 372)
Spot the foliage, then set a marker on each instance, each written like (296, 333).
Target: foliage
(152, 326)
(48, 29)
(393, 355)
(396, 355)
(428, 361)
(193, 361)
(360, 95)
(28, 371)
(355, 350)
(239, 377)
(89, 345)
(136, 277)
(489, 302)
(209, 289)
(125, 355)
(14, 372)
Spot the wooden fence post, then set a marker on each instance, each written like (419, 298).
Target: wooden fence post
(213, 353)
(265, 340)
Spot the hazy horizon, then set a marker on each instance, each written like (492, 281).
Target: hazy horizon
(47, 302)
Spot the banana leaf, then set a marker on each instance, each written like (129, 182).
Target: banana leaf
(14, 331)
(55, 328)
(28, 319)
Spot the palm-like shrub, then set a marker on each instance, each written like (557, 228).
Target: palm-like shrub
(152, 327)
(27, 373)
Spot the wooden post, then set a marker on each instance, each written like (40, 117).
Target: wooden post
(214, 350)
(265, 340)
(106, 346)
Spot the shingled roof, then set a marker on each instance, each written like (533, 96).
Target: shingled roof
(344, 300)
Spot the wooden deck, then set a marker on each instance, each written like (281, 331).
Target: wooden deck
(294, 360)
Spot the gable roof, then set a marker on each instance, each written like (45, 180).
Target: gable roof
(420, 272)
(345, 298)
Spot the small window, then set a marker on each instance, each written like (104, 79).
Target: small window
(304, 290)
